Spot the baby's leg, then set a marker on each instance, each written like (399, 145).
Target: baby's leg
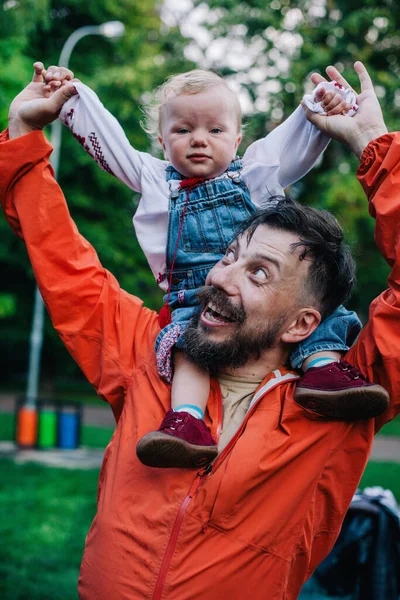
(190, 387)
(183, 440)
(320, 359)
(331, 387)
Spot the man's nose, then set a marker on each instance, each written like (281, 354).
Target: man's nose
(225, 278)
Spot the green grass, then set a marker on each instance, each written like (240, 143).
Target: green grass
(92, 437)
(387, 475)
(46, 514)
(391, 428)
(96, 437)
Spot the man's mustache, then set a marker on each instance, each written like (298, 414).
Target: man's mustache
(221, 302)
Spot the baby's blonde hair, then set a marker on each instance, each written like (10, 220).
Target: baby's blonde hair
(191, 82)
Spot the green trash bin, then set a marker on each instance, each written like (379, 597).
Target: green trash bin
(47, 430)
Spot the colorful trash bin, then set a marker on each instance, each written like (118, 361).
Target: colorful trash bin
(69, 425)
(26, 426)
(47, 429)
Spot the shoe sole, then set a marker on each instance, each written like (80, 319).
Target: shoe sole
(366, 403)
(157, 449)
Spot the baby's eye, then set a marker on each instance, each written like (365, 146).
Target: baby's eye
(183, 130)
(216, 130)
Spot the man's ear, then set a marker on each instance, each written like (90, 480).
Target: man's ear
(300, 328)
(163, 146)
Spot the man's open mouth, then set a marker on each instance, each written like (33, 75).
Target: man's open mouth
(217, 315)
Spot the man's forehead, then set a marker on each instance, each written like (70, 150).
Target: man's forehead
(266, 238)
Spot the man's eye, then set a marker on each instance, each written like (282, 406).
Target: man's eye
(229, 254)
(216, 130)
(260, 274)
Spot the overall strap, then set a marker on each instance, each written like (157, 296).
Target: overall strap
(164, 317)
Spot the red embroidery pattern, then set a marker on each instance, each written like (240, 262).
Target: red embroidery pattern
(161, 277)
(82, 142)
(98, 154)
(70, 114)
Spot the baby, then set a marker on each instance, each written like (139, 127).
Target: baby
(191, 205)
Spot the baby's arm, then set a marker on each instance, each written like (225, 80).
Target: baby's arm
(94, 127)
(293, 147)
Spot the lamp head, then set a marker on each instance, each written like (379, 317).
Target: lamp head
(112, 29)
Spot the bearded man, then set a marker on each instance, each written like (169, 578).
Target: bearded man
(259, 520)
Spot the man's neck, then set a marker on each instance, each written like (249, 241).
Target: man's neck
(259, 369)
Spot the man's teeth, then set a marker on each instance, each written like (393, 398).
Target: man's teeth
(214, 315)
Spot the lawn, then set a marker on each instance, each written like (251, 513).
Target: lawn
(49, 512)
(391, 428)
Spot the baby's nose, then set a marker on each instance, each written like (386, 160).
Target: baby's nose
(199, 138)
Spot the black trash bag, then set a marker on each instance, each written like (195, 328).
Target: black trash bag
(364, 564)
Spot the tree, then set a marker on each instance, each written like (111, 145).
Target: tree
(120, 72)
(268, 51)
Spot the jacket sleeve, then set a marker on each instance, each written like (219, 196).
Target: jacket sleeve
(376, 352)
(103, 138)
(107, 331)
(283, 156)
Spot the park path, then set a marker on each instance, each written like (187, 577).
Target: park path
(385, 448)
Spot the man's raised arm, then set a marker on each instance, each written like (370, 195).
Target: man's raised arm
(105, 329)
(376, 352)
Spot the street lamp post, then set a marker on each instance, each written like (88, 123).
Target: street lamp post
(111, 29)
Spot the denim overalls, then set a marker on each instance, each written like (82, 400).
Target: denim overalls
(214, 212)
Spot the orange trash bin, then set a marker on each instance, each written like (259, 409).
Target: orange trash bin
(27, 423)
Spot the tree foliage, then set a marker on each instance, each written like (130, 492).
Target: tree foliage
(120, 71)
(275, 47)
(267, 50)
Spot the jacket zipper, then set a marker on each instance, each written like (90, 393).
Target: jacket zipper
(179, 517)
(195, 486)
(175, 532)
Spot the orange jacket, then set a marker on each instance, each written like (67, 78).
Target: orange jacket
(271, 508)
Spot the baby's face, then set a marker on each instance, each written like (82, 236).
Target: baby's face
(200, 132)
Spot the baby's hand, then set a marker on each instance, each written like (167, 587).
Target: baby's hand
(332, 102)
(54, 78)
(331, 98)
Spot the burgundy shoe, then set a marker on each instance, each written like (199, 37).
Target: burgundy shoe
(181, 441)
(339, 391)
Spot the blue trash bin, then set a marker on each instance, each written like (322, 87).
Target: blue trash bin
(69, 421)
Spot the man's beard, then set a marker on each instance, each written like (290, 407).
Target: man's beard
(235, 351)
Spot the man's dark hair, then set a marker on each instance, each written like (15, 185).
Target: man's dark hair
(331, 275)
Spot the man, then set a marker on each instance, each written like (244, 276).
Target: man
(266, 513)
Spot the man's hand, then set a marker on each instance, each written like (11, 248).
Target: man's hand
(38, 104)
(366, 125)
